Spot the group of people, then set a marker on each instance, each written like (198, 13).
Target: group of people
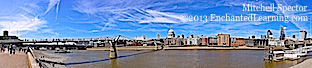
(2, 48)
(12, 49)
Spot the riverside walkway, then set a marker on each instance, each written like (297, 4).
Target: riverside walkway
(19, 60)
(305, 64)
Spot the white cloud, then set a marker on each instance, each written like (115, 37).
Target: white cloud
(26, 17)
(21, 23)
(51, 4)
(49, 31)
(158, 20)
(113, 13)
(81, 30)
(95, 31)
(116, 13)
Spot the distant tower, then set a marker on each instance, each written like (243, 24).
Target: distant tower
(5, 33)
(282, 36)
(192, 36)
(171, 33)
(269, 34)
(303, 34)
(158, 36)
(144, 37)
(253, 37)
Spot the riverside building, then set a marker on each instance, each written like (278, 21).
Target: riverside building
(204, 40)
(140, 37)
(223, 39)
(269, 34)
(170, 40)
(302, 34)
(237, 41)
(282, 36)
(6, 36)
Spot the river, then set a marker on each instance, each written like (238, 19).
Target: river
(175, 59)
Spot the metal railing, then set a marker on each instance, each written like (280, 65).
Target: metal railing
(41, 65)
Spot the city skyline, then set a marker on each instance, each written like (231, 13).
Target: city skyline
(84, 18)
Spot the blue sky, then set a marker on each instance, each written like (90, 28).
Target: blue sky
(101, 18)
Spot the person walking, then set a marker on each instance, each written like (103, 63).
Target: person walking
(1, 48)
(24, 49)
(14, 47)
(11, 49)
(8, 48)
(28, 50)
(19, 49)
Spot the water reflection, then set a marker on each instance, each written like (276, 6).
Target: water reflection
(114, 63)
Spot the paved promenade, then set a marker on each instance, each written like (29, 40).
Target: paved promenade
(19, 60)
(305, 64)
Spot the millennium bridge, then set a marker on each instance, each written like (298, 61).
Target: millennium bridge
(78, 43)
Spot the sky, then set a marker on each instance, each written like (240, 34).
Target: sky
(36, 19)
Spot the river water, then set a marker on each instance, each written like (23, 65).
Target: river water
(175, 59)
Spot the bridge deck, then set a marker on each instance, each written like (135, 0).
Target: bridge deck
(19, 60)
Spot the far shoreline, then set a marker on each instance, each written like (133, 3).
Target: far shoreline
(178, 48)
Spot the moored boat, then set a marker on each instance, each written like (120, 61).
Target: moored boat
(67, 51)
(291, 55)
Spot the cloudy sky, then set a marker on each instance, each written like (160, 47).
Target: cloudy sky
(101, 18)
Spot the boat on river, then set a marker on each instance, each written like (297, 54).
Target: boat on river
(42, 48)
(67, 51)
(292, 55)
(274, 56)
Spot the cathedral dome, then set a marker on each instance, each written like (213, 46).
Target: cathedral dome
(171, 33)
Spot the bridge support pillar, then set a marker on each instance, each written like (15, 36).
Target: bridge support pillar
(113, 53)
(95, 45)
(156, 47)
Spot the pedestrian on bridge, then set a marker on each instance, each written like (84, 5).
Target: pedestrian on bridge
(8, 48)
(24, 50)
(11, 49)
(2, 49)
(28, 50)
(19, 49)
(14, 47)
